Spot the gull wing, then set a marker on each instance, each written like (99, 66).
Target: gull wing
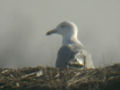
(70, 56)
(65, 54)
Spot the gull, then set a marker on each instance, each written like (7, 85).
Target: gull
(72, 52)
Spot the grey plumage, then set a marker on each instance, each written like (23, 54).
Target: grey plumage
(73, 56)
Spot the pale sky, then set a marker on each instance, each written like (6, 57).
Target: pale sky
(23, 24)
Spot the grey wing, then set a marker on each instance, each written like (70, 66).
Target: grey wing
(65, 54)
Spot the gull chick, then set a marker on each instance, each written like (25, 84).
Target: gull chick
(72, 52)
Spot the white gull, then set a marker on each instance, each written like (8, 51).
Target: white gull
(72, 52)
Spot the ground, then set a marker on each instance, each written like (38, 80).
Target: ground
(41, 78)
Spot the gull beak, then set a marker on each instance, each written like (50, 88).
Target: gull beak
(51, 32)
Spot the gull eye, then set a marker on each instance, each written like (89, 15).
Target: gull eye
(63, 26)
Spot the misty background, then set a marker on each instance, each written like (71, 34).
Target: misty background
(23, 24)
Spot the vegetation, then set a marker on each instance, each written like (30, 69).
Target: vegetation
(40, 78)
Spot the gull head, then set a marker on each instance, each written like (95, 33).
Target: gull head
(66, 29)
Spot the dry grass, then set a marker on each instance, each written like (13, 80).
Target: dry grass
(40, 78)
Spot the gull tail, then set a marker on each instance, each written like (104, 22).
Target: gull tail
(89, 62)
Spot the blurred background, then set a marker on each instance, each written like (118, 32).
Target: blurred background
(23, 24)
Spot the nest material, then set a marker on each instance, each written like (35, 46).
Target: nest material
(40, 78)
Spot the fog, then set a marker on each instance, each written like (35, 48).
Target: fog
(23, 24)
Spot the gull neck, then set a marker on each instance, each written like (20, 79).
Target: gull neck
(69, 39)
